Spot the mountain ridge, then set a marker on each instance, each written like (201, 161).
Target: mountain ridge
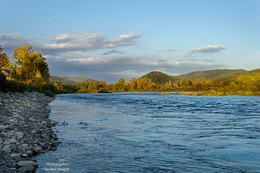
(217, 74)
(71, 79)
(159, 77)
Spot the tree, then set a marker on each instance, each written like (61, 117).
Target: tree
(30, 65)
(169, 85)
(186, 84)
(199, 84)
(120, 85)
(133, 84)
(59, 86)
(144, 84)
(4, 62)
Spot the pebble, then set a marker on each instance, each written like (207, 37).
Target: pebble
(29, 153)
(19, 135)
(24, 130)
(25, 155)
(6, 148)
(3, 127)
(27, 169)
(11, 141)
(27, 163)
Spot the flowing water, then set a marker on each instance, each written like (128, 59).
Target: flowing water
(134, 132)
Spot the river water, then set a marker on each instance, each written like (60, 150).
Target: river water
(148, 132)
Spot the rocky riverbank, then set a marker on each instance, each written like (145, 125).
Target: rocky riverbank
(25, 130)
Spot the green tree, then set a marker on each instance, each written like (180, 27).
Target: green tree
(169, 86)
(133, 84)
(59, 86)
(30, 65)
(144, 84)
(186, 84)
(121, 85)
(4, 61)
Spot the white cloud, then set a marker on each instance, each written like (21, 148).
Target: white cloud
(83, 42)
(60, 46)
(113, 51)
(188, 59)
(208, 49)
(126, 39)
(88, 41)
(68, 54)
(107, 66)
(169, 50)
(208, 60)
(12, 41)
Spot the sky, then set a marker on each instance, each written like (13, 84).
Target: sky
(109, 39)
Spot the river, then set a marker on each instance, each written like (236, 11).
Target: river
(148, 132)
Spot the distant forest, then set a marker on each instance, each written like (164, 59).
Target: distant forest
(30, 73)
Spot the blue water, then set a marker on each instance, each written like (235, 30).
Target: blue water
(126, 132)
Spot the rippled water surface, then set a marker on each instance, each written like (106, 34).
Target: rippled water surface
(126, 132)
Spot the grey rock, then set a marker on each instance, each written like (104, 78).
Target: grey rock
(6, 148)
(27, 163)
(6, 143)
(25, 155)
(24, 126)
(41, 151)
(32, 119)
(1, 140)
(19, 135)
(11, 141)
(16, 156)
(38, 148)
(12, 122)
(25, 146)
(29, 153)
(2, 127)
(27, 169)
(10, 133)
(2, 135)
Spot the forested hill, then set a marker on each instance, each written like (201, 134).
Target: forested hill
(158, 77)
(71, 79)
(210, 74)
(253, 72)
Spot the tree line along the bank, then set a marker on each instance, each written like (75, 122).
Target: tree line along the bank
(30, 73)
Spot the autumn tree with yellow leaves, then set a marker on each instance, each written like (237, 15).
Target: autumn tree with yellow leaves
(30, 65)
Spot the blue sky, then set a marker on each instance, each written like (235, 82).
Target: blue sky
(108, 39)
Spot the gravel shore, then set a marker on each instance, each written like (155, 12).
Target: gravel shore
(25, 130)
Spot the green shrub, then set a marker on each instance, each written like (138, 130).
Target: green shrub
(49, 90)
(103, 90)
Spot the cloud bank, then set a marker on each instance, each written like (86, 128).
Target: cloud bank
(83, 42)
(70, 54)
(88, 42)
(115, 66)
